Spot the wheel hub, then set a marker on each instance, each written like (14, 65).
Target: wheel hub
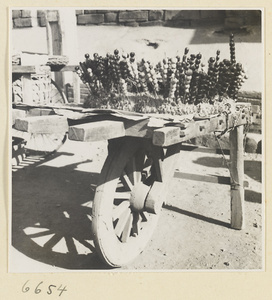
(138, 196)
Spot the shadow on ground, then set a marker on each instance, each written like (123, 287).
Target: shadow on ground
(51, 209)
(196, 216)
(253, 169)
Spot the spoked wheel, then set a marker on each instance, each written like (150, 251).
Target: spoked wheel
(124, 211)
(57, 96)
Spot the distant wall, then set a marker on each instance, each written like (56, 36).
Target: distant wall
(173, 18)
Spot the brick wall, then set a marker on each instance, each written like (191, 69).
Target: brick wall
(174, 18)
(22, 18)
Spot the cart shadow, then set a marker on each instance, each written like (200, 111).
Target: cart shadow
(253, 169)
(196, 216)
(51, 216)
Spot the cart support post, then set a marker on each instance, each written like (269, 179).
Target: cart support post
(237, 177)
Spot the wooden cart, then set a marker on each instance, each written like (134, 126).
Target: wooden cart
(142, 151)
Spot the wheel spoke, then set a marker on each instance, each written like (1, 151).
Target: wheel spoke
(136, 177)
(126, 181)
(136, 224)
(144, 216)
(135, 167)
(122, 222)
(131, 171)
(139, 165)
(127, 229)
(120, 209)
(122, 195)
(147, 163)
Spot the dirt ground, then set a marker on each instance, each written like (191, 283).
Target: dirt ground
(50, 204)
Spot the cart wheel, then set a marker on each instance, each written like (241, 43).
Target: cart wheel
(57, 96)
(122, 226)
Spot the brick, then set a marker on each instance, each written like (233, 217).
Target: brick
(86, 12)
(26, 14)
(182, 15)
(110, 17)
(234, 13)
(213, 14)
(16, 14)
(52, 16)
(41, 21)
(40, 13)
(111, 24)
(90, 19)
(130, 16)
(155, 15)
(131, 24)
(22, 22)
(152, 23)
(103, 11)
(234, 22)
(170, 14)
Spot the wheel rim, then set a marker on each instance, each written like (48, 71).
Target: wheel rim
(121, 225)
(56, 94)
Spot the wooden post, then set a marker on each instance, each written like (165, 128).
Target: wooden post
(76, 87)
(237, 177)
(62, 40)
(48, 36)
(27, 91)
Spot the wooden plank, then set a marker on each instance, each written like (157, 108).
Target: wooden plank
(23, 69)
(204, 127)
(42, 124)
(138, 128)
(35, 69)
(33, 112)
(198, 128)
(237, 177)
(96, 131)
(166, 136)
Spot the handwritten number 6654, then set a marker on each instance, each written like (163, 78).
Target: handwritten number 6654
(38, 290)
